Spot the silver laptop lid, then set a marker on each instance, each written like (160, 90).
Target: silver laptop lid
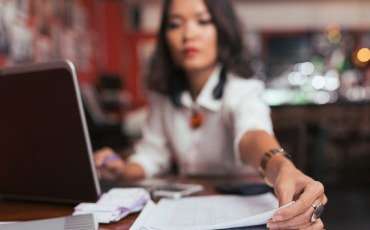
(81, 222)
(45, 150)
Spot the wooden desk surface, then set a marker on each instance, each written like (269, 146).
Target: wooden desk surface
(23, 211)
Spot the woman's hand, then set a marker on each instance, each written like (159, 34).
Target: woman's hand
(111, 170)
(292, 185)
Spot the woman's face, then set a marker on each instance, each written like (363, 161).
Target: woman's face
(191, 35)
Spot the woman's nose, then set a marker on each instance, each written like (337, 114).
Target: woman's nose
(190, 31)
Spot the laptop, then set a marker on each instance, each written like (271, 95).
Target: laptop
(79, 222)
(45, 150)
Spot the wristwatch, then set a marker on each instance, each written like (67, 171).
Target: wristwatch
(266, 158)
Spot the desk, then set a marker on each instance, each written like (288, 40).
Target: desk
(23, 211)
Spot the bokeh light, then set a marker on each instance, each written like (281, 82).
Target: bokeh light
(331, 27)
(306, 68)
(333, 97)
(296, 78)
(318, 82)
(363, 55)
(291, 78)
(321, 97)
(331, 83)
(332, 32)
(335, 37)
(356, 94)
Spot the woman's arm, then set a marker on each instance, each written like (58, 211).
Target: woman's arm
(117, 169)
(289, 183)
(152, 155)
(254, 144)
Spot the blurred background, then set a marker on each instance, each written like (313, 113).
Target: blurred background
(313, 56)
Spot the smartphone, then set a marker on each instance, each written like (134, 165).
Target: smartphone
(244, 189)
(176, 191)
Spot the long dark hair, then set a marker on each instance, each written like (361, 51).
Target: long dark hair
(166, 78)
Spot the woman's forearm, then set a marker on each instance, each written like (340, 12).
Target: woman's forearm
(276, 166)
(133, 171)
(252, 147)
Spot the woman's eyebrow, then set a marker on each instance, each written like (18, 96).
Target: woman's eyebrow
(174, 16)
(198, 14)
(203, 13)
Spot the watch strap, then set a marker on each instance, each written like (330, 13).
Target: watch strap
(266, 158)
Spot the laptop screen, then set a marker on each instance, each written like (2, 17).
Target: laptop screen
(43, 150)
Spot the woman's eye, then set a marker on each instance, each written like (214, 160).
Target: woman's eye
(173, 25)
(205, 22)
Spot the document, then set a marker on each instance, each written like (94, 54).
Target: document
(115, 205)
(124, 197)
(144, 215)
(210, 212)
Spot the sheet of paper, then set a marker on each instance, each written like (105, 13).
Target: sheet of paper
(115, 205)
(212, 212)
(96, 222)
(98, 207)
(104, 217)
(149, 208)
(124, 197)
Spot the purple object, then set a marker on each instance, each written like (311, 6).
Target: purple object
(110, 158)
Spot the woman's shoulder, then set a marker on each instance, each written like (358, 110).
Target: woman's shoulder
(154, 96)
(158, 100)
(239, 86)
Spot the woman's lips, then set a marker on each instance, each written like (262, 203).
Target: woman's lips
(190, 52)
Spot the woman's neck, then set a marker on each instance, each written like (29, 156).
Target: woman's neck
(197, 79)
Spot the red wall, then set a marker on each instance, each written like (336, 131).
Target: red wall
(118, 47)
(114, 44)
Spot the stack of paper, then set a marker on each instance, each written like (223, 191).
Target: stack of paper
(115, 205)
(205, 213)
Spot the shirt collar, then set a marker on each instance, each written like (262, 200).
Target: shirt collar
(205, 97)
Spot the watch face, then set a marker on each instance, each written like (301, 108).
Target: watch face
(281, 151)
(274, 151)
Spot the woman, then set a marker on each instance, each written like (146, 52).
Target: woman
(205, 113)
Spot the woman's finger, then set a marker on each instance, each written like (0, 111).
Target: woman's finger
(116, 165)
(108, 174)
(318, 225)
(325, 200)
(101, 154)
(113, 170)
(311, 192)
(302, 220)
(285, 196)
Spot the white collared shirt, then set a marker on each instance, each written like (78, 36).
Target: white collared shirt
(212, 148)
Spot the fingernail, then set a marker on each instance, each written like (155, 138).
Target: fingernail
(277, 218)
(272, 225)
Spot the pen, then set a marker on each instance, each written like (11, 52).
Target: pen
(110, 158)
